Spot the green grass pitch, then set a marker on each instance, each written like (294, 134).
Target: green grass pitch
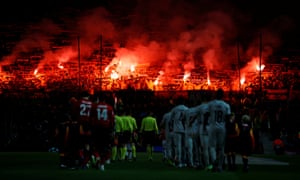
(44, 166)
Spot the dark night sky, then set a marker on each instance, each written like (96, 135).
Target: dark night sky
(255, 7)
(261, 13)
(261, 10)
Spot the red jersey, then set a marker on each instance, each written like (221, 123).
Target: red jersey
(81, 109)
(102, 115)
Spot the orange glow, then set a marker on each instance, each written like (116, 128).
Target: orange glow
(253, 65)
(66, 54)
(192, 50)
(124, 63)
(139, 70)
(124, 68)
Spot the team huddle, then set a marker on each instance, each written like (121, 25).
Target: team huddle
(201, 136)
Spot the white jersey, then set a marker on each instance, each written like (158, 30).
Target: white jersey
(202, 109)
(192, 121)
(177, 118)
(165, 122)
(218, 109)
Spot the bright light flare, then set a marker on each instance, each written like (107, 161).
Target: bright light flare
(208, 78)
(106, 68)
(261, 68)
(60, 66)
(132, 68)
(242, 81)
(114, 75)
(208, 81)
(186, 76)
(35, 72)
(156, 82)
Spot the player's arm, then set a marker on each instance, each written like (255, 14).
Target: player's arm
(229, 114)
(135, 127)
(112, 125)
(81, 130)
(56, 132)
(183, 118)
(237, 129)
(162, 127)
(142, 126)
(227, 117)
(112, 119)
(205, 119)
(252, 139)
(162, 123)
(67, 133)
(156, 127)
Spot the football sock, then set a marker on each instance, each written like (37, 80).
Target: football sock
(149, 153)
(133, 151)
(114, 153)
(129, 151)
(123, 153)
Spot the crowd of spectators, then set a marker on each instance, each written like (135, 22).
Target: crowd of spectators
(51, 76)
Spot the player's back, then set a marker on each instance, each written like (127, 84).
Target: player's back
(191, 120)
(81, 110)
(245, 130)
(118, 124)
(133, 123)
(166, 121)
(127, 122)
(201, 110)
(218, 109)
(102, 114)
(149, 123)
(177, 115)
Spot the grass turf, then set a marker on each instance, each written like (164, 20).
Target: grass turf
(44, 165)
